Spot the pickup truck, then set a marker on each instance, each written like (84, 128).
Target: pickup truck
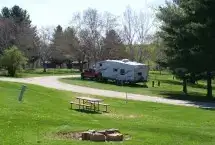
(90, 74)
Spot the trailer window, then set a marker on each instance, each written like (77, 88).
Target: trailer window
(139, 74)
(122, 71)
(115, 70)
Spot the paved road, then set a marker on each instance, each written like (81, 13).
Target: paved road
(53, 82)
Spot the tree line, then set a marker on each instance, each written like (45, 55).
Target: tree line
(91, 36)
(183, 43)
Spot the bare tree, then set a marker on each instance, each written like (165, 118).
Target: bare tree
(93, 23)
(85, 48)
(7, 33)
(90, 24)
(130, 29)
(92, 27)
(45, 51)
(144, 25)
(110, 22)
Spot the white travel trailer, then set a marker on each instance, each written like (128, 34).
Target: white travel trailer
(122, 71)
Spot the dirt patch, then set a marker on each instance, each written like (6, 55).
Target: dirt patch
(127, 137)
(69, 135)
(122, 116)
(77, 135)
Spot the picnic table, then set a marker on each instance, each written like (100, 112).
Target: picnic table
(89, 103)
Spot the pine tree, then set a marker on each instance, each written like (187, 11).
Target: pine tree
(188, 30)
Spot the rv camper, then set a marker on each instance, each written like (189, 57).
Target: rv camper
(123, 71)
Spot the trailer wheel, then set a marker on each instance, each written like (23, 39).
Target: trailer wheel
(117, 82)
(105, 80)
(121, 83)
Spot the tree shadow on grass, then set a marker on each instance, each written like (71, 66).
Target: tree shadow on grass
(172, 82)
(200, 86)
(192, 98)
(137, 85)
(86, 111)
(208, 108)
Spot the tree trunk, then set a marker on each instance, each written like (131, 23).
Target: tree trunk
(140, 54)
(11, 72)
(88, 63)
(209, 85)
(131, 52)
(44, 67)
(33, 65)
(80, 66)
(185, 86)
(192, 78)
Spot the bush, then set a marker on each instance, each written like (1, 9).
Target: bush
(13, 59)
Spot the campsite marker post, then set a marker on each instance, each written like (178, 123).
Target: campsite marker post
(126, 97)
(126, 94)
(22, 93)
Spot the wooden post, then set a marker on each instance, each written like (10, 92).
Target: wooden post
(159, 83)
(79, 103)
(22, 93)
(83, 104)
(126, 94)
(153, 83)
(94, 106)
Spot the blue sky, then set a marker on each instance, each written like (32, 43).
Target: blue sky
(54, 12)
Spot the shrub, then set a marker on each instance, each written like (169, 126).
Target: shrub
(12, 59)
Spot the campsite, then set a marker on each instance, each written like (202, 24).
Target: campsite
(120, 71)
(134, 72)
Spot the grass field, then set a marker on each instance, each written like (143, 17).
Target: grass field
(45, 113)
(39, 72)
(169, 88)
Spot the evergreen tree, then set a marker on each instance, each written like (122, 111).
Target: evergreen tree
(57, 45)
(113, 48)
(20, 31)
(188, 33)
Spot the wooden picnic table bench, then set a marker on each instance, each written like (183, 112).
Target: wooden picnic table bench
(90, 103)
(106, 106)
(80, 105)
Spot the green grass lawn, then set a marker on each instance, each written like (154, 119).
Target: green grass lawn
(45, 112)
(39, 72)
(169, 88)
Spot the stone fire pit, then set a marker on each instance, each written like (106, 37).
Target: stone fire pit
(102, 135)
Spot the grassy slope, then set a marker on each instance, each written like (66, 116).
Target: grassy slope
(169, 88)
(45, 112)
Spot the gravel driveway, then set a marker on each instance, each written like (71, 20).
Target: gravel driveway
(53, 82)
